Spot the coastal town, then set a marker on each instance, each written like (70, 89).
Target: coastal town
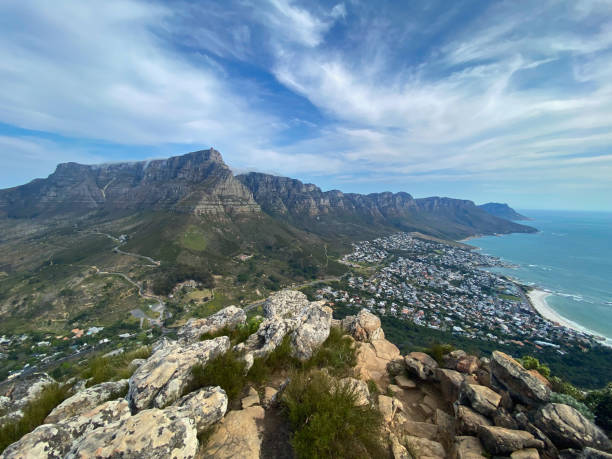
(444, 286)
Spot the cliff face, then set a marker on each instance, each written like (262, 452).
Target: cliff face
(305, 205)
(198, 182)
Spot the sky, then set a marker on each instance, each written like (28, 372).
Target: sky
(506, 101)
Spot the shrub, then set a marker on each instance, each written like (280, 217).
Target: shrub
(281, 357)
(571, 401)
(34, 414)
(600, 402)
(372, 387)
(226, 371)
(101, 369)
(337, 353)
(326, 422)
(563, 387)
(531, 363)
(437, 351)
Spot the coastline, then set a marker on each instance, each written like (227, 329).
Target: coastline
(537, 298)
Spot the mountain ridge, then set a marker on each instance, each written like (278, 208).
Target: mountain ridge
(502, 210)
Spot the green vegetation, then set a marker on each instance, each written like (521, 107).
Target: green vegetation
(237, 334)
(226, 371)
(531, 363)
(102, 369)
(34, 414)
(438, 351)
(600, 402)
(337, 354)
(194, 239)
(326, 422)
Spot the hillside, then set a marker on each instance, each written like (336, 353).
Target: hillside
(502, 211)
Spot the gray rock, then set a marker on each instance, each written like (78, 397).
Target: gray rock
(469, 421)
(359, 388)
(205, 406)
(421, 365)
(230, 317)
(568, 428)
(521, 384)
(161, 380)
(481, 398)
(450, 383)
(151, 433)
(87, 399)
(25, 389)
(467, 447)
(285, 304)
(499, 440)
(312, 332)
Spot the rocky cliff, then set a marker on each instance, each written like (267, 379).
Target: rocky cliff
(198, 182)
(334, 212)
(460, 407)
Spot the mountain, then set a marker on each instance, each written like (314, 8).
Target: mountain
(198, 183)
(502, 211)
(336, 213)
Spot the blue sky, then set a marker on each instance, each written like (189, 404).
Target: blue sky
(506, 101)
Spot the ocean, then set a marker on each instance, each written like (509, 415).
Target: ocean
(571, 257)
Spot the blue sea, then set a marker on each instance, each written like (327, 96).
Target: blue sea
(570, 256)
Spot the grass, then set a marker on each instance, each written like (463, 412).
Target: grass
(34, 414)
(337, 353)
(326, 422)
(101, 369)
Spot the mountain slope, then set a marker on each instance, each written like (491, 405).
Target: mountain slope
(335, 213)
(502, 211)
(198, 182)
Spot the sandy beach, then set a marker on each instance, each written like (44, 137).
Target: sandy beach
(538, 301)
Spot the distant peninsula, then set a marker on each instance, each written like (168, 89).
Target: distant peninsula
(502, 210)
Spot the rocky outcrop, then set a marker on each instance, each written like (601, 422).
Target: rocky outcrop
(359, 388)
(521, 384)
(466, 447)
(205, 406)
(481, 398)
(499, 440)
(151, 433)
(568, 428)
(161, 380)
(364, 327)
(87, 399)
(290, 313)
(230, 317)
(238, 435)
(20, 393)
(56, 440)
(450, 383)
(469, 421)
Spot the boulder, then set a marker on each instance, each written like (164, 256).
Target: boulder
(468, 421)
(502, 441)
(591, 453)
(568, 428)
(56, 440)
(527, 453)
(285, 304)
(481, 398)
(238, 435)
(398, 451)
(426, 449)
(467, 447)
(359, 388)
(87, 399)
(421, 365)
(25, 389)
(385, 349)
(388, 406)
(467, 364)
(521, 384)
(312, 332)
(420, 429)
(501, 418)
(396, 367)
(450, 383)
(404, 382)
(161, 380)
(205, 406)
(230, 317)
(365, 326)
(151, 433)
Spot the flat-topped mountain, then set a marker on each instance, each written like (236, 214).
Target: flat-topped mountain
(198, 182)
(502, 210)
